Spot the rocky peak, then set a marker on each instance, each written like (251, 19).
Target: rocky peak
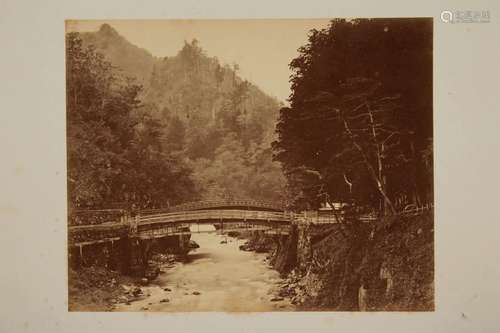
(106, 29)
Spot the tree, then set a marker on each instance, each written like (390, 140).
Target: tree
(360, 113)
(115, 151)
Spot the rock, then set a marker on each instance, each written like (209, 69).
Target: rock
(276, 299)
(193, 245)
(196, 293)
(150, 303)
(167, 289)
(144, 308)
(144, 281)
(223, 241)
(165, 300)
(246, 247)
(283, 293)
(137, 291)
(151, 273)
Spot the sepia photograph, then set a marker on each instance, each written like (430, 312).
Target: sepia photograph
(235, 166)
(250, 165)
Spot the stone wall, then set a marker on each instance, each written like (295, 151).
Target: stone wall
(127, 255)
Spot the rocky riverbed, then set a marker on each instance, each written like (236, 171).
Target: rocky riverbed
(216, 277)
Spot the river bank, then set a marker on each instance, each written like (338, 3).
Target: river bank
(383, 266)
(218, 276)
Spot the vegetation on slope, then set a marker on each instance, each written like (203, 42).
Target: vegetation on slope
(155, 132)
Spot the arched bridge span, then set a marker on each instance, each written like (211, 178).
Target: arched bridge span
(236, 204)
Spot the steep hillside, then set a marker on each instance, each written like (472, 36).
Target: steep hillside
(130, 59)
(219, 123)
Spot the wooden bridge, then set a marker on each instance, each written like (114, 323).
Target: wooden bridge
(157, 225)
(94, 226)
(127, 240)
(87, 227)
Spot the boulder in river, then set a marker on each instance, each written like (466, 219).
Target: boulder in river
(276, 299)
(123, 299)
(193, 244)
(167, 289)
(196, 293)
(164, 300)
(137, 291)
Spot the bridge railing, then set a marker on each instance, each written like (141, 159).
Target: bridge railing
(214, 204)
(219, 214)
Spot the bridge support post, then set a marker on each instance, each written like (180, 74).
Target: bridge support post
(136, 262)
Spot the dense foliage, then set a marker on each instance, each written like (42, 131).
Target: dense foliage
(359, 125)
(195, 130)
(114, 145)
(225, 125)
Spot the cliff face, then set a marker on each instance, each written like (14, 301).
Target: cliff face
(384, 267)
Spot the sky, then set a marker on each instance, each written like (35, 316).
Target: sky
(262, 48)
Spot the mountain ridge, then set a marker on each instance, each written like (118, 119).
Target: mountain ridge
(222, 124)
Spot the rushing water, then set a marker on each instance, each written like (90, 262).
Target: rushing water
(226, 279)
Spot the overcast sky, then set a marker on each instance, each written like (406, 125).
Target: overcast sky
(262, 48)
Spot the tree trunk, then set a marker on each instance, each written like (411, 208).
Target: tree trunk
(371, 170)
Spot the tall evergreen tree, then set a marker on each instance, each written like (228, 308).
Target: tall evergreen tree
(360, 117)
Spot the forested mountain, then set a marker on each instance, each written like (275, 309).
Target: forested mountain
(192, 128)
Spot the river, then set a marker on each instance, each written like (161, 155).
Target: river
(215, 277)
